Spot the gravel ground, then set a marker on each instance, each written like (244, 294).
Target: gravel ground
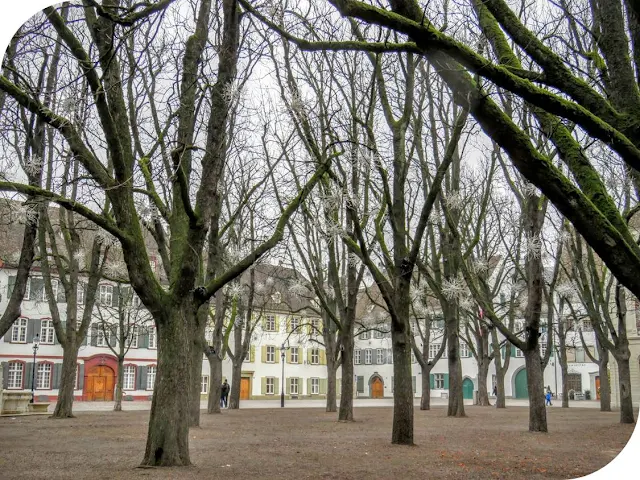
(309, 443)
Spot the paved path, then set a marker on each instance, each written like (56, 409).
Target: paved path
(359, 403)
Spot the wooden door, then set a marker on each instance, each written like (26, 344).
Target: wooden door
(377, 388)
(99, 384)
(597, 388)
(245, 388)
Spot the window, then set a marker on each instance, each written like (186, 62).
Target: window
(151, 376)
(133, 336)
(46, 331)
(315, 326)
(106, 295)
(315, 356)
(15, 377)
(19, 331)
(294, 354)
(367, 356)
(378, 334)
(587, 326)
(438, 380)
(129, 380)
(433, 350)
(574, 382)
(80, 294)
(152, 338)
(543, 349)
(580, 355)
(380, 356)
(270, 323)
(27, 292)
(54, 287)
(464, 350)
(271, 385)
(43, 376)
(365, 335)
(315, 386)
(357, 357)
(271, 354)
(519, 353)
(204, 384)
(102, 340)
(295, 323)
(293, 386)
(413, 356)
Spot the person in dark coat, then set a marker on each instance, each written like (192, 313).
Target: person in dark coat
(224, 395)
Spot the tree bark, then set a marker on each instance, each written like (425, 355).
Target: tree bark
(117, 406)
(564, 371)
(535, 387)
(425, 400)
(64, 405)
(168, 436)
(345, 414)
(402, 432)
(624, 385)
(215, 389)
(605, 385)
(483, 373)
(331, 386)
(456, 400)
(236, 379)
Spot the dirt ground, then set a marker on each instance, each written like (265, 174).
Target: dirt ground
(309, 443)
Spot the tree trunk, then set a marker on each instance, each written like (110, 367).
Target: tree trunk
(425, 400)
(215, 390)
(535, 387)
(456, 400)
(483, 373)
(564, 372)
(624, 384)
(500, 398)
(117, 406)
(64, 405)
(402, 432)
(168, 437)
(331, 386)
(605, 385)
(197, 350)
(236, 379)
(345, 414)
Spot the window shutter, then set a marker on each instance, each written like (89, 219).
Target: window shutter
(276, 386)
(276, 319)
(323, 386)
(37, 324)
(446, 381)
(288, 385)
(432, 382)
(7, 336)
(288, 325)
(81, 377)
(360, 382)
(323, 357)
(309, 358)
(84, 340)
(264, 354)
(339, 386)
(308, 386)
(28, 374)
(10, 285)
(502, 351)
(276, 353)
(252, 353)
(513, 350)
(56, 373)
(5, 373)
(263, 385)
(31, 331)
(288, 358)
(94, 334)
(141, 377)
(413, 383)
(264, 323)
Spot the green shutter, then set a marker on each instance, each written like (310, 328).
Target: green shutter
(323, 386)
(264, 354)
(413, 383)
(56, 372)
(446, 381)
(5, 374)
(502, 351)
(432, 381)
(252, 353)
(81, 376)
(308, 386)
(276, 386)
(360, 382)
(263, 385)
(513, 350)
(28, 376)
(288, 385)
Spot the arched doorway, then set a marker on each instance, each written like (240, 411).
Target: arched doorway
(520, 384)
(99, 383)
(467, 388)
(376, 387)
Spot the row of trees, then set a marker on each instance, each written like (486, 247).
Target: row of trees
(134, 117)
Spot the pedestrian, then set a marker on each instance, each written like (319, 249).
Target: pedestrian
(495, 390)
(224, 397)
(548, 397)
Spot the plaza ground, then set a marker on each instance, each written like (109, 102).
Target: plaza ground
(298, 443)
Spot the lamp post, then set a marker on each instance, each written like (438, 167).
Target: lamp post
(282, 350)
(36, 344)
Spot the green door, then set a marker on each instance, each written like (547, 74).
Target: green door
(467, 388)
(521, 384)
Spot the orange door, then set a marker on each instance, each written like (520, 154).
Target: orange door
(377, 388)
(99, 384)
(597, 388)
(245, 388)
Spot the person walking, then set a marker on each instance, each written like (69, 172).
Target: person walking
(224, 397)
(548, 397)
(495, 390)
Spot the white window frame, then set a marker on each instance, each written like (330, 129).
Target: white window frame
(204, 384)
(315, 386)
(27, 291)
(315, 326)
(378, 334)
(129, 377)
(19, 330)
(380, 356)
(365, 335)
(43, 376)
(293, 386)
(15, 375)
(438, 381)
(47, 332)
(103, 337)
(367, 356)
(153, 335)
(133, 336)
(271, 354)
(519, 353)
(80, 294)
(270, 323)
(543, 349)
(106, 293)
(464, 350)
(433, 350)
(152, 371)
(357, 356)
(294, 324)
(270, 386)
(315, 356)
(295, 355)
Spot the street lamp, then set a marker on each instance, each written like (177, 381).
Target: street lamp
(36, 344)
(282, 350)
